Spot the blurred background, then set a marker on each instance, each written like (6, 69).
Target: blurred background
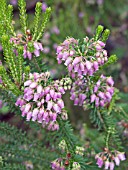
(79, 18)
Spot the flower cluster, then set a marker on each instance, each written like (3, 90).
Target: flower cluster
(78, 92)
(98, 94)
(79, 59)
(103, 91)
(109, 159)
(29, 46)
(42, 101)
(37, 48)
(59, 164)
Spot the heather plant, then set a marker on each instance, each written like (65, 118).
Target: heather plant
(30, 92)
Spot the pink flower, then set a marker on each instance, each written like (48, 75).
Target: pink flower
(117, 161)
(100, 162)
(29, 115)
(27, 107)
(110, 81)
(60, 103)
(107, 164)
(112, 165)
(68, 61)
(33, 85)
(59, 49)
(56, 108)
(44, 6)
(27, 83)
(39, 89)
(49, 105)
(88, 65)
(93, 97)
(102, 44)
(37, 53)
(76, 60)
(121, 156)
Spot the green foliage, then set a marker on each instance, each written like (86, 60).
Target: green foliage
(46, 17)
(37, 18)
(23, 15)
(19, 149)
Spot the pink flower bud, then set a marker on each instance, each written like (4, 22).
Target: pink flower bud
(108, 95)
(37, 53)
(102, 103)
(70, 67)
(100, 162)
(68, 61)
(40, 46)
(56, 108)
(54, 116)
(48, 97)
(39, 104)
(99, 61)
(88, 65)
(82, 66)
(29, 55)
(29, 115)
(59, 49)
(33, 85)
(46, 90)
(45, 115)
(102, 44)
(65, 56)
(27, 83)
(18, 102)
(35, 112)
(101, 95)
(110, 90)
(27, 107)
(28, 97)
(60, 55)
(36, 45)
(73, 96)
(76, 60)
(59, 61)
(61, 90)
(76, 101)
(97, 101)
(60, 103)
(95, 65)
(121, 156)
(36, 96)
(117, 161)
(39, 89)
(49, 105)
(52, 92)
(105, 53)
(55, 127)
(98, 47)
(71, 53)
(93, 97)
(110, 81)
(112, 165)
(76, 68)
(96, 89)
(107, 164)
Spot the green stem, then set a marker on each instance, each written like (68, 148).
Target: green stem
(107, 139)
